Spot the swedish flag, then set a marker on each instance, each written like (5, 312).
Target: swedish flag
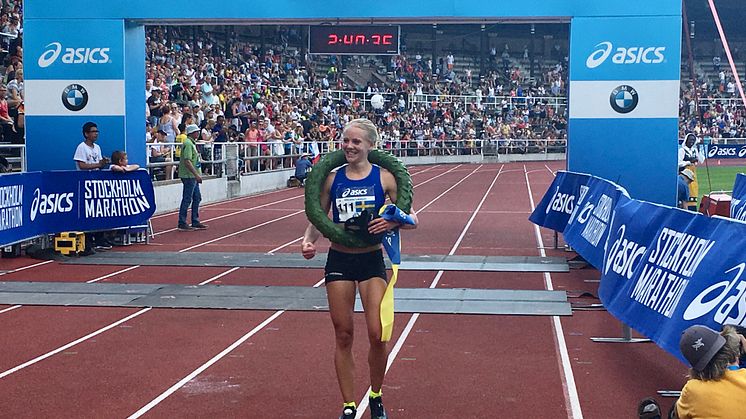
(392, 244)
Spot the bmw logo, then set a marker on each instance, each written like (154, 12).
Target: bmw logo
(75, 97)
(623, 99)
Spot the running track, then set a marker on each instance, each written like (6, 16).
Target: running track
(81, 362)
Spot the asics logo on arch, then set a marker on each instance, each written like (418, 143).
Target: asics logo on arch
(624, 55)
(96, 55)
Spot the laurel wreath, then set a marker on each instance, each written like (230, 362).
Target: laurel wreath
(315, 182)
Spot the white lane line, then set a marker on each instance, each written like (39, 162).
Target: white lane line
(403, 337)
(572, 400)
(175, 212)
(271, 252)
(438, 175)
(205, 366)
(112, 274)
(71, 344)
(550, 170)
(219, 217)
(447, 190)
(218, 276)
(209, 363)
(5, 310)
(235, 233)
(23, 268)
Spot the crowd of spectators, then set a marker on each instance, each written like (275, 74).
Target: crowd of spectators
(721, 111)
(277, 97)
(11, 86)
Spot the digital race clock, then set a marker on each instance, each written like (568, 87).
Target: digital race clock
(373, 40)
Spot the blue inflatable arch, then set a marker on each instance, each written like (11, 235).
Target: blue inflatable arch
(623, 93)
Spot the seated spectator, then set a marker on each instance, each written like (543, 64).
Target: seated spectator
(717, 386)
(161, 153)
(119, 163)
(685, 178)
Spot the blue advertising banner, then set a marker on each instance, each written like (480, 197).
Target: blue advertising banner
(667, 269)
(36, 203)
(663, 269)
(738, 202)
(626, 48)
(559, 202)
(588, 226)
(726, 151)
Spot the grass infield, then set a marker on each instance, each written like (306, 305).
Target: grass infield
(715, 177)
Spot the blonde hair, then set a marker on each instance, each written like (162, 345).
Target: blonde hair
(368, 127)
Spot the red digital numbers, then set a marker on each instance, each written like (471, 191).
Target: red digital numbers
(382, 39)
(352, 40)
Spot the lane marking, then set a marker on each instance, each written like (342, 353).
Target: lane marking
(235, 233)
(204, 366)
(408, 328)
(550, 170)
(218, 276)
(271, 252)
(5, 310)
(112, 274)
(446, 191)
(213, 204)
(73, 343)
(219, 217)
(23, 268)
(572, 400)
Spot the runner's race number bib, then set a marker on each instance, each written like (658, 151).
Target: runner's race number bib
(352, 201)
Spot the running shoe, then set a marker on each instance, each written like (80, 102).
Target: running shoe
(348, 413)
(376, 408)
(199, 226)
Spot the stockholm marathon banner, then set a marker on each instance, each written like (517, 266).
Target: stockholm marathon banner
(663, 269)
(36, 203)
(580, 206)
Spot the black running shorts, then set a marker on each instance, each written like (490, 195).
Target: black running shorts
(354, 266)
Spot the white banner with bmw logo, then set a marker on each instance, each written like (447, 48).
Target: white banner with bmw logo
(624, 99)
(75, 97)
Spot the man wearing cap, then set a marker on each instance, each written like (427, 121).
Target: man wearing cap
(717, 386)
(686, 177)
(191, 176)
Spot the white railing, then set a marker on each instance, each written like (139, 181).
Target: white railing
(243, 158)
(489, 102)
(414, 100)
(734, 102)
(727, 141)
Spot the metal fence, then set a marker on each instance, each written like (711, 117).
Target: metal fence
(234, 159)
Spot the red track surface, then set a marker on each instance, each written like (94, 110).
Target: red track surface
(440, 365)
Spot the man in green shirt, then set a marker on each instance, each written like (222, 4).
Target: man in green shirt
(191, 176)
